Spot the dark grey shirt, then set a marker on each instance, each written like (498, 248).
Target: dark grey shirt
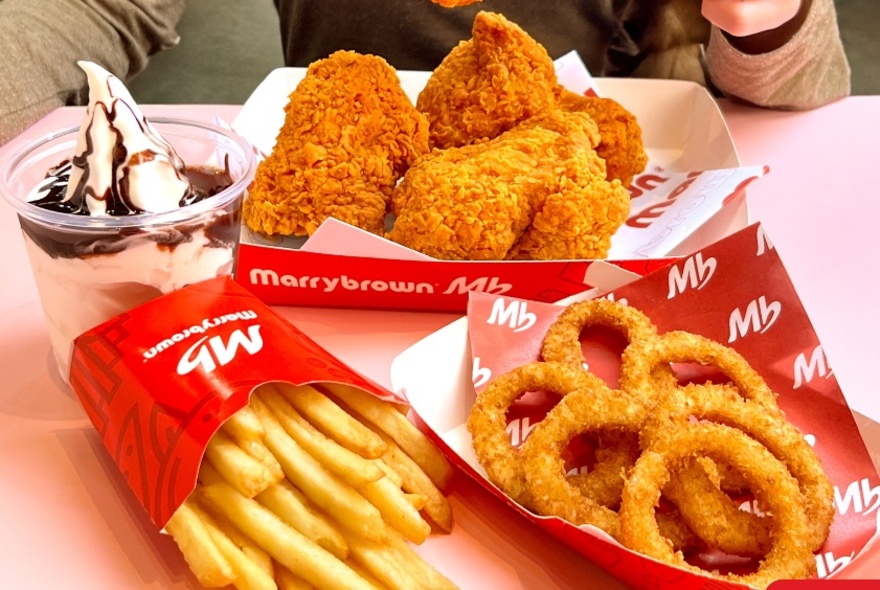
(417, 34)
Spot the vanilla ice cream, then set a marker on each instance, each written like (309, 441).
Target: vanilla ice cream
(116, 218)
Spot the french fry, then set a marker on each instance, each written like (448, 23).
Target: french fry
(322, 487)
(333, 421)
(198, 548)
(301, 491)
(248, 575)
(246, 474)
(244, 425)
(350, 466)
(287, 580)
(427, 575)
(416, 481)
(247, 545)
(390, 473)
(291, 506)
(245, 429)
(376, 559)
(289, 547)
(208, 474)
(417, 501)
(365, 574)
(259, 451)
(396, 565)
(396, 509)
(397, 426)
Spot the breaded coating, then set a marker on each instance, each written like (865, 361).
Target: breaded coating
(536, 191)
(487, 84)
(349, 134)
(621, 146)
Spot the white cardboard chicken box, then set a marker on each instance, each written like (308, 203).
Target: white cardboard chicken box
(691, 194)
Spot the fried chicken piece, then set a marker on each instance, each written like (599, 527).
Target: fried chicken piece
(487, 84)
(621, 146)
(536, 191)
(349, 134)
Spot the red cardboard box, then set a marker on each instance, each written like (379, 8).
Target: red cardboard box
(158, 381)
(736, 292)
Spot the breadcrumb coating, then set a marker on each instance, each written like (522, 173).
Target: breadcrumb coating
(536, 191)
(349, 134)
(621, 146)
(487, 84)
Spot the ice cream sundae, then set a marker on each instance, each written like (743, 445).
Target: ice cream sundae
(119, 219)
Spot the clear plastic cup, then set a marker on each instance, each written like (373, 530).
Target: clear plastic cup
(90, 269)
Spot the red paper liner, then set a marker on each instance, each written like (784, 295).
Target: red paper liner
(736, 292)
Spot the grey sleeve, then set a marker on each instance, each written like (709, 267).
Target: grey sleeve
(807, 72)
(40, 43)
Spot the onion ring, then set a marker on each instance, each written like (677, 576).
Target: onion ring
(616, 416)
(487, 421)
(788, 558)
(715, 518)
(562, 344)
(562, 341)
(642, 357)
(586, 410)
(615, 454)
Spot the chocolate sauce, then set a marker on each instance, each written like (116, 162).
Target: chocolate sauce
(206, 181)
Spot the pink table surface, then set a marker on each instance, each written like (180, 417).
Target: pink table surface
(69, 521)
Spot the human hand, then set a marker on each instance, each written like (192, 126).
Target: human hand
(742, 18)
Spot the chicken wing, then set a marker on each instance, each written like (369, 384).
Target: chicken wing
(621, 145)
(536, 191)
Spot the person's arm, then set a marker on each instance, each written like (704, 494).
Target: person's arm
(41, 42)
(797, 64)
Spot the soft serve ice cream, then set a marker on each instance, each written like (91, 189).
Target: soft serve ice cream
(124, 220)
(122, 166)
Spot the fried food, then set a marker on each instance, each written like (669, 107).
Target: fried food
(740, 531)
(776, 490)
(562, 341)
(349, 134)
(393, 424)
(487, 421)
(537, 191)
(621, 145)
(642, 358)
(487, 84)
(336, 518)
(588, 409)
(691, 437)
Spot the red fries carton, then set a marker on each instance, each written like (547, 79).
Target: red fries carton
(158, 381)
(735, 292)
(690, 195)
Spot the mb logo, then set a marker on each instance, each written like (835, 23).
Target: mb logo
(695, 273)
(758, 317)
(516, 315)
(208, 355)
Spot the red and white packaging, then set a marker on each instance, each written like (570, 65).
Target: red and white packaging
(158, 381)
(736, 292)
(691, 194)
